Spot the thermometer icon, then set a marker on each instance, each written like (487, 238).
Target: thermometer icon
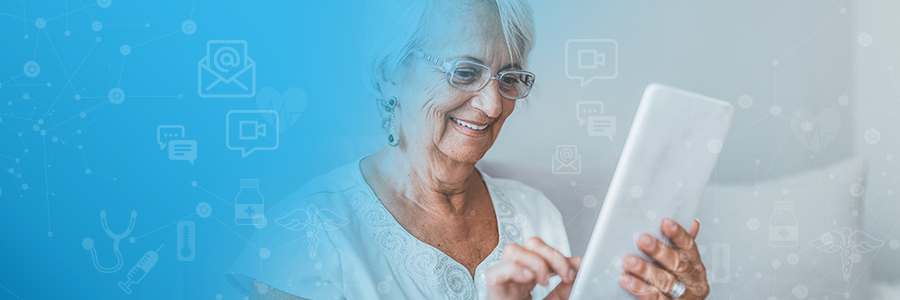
(141, 269)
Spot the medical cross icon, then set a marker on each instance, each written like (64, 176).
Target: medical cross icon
(249, 211)
(783, 233)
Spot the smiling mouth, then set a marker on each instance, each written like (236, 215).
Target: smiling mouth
(469, 125)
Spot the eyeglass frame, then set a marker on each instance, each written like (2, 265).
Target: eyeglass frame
(449, 66)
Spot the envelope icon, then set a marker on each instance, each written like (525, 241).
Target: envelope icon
(566, 160)
(226, 71)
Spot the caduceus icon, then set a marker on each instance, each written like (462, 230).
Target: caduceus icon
(851, 244)
(313, 220)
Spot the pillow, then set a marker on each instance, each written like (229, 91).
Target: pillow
(782, 238)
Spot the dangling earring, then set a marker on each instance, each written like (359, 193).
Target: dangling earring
(393, 136)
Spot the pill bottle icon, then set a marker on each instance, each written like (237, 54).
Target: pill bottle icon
(248, 203)
(783, 231)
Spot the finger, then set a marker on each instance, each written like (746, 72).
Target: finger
(575, 261)
(558, 263)
(695, 228)
(640, 289)
(699, 289)
(505, 273)
(682, 240)
(679, 237)
(660, 279)
(516, 254)
(677, 262)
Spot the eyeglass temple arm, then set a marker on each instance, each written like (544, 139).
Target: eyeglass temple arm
(435, 60)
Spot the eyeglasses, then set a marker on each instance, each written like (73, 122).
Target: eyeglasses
(472, 76)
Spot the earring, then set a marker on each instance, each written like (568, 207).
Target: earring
(393, 136)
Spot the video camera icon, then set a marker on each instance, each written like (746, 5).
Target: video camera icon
(591, 59)
(588, 59)
(247, 130)
(251, 130)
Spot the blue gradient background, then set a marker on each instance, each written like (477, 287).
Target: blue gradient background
(312, 45)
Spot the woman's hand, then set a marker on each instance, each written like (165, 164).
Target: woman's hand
(682, 263)
(522, 267)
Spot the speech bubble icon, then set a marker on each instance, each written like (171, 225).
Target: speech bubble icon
(166, 133)
(591, 59)
(247, 130)
(585, 109)
(183, 150)
(602, 126)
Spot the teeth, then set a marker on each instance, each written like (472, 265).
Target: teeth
(469, 125)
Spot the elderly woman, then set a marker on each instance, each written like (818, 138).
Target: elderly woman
(417, 219)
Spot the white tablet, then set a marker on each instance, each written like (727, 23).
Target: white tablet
(669, 155)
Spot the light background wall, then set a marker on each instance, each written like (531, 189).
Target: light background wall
(878, 102)
(721, 49)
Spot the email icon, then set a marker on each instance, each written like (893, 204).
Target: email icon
(226, 71)
(566, 160)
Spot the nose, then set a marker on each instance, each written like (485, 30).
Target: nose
(488, 99)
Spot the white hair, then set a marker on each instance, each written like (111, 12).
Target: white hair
(393, 29)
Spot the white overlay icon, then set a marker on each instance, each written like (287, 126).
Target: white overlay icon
(590, 59)
(226, 71)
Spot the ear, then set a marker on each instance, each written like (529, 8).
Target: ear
(389, 82)
(389, 89)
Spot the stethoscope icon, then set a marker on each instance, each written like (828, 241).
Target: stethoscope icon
(88, 243)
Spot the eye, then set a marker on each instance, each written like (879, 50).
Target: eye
(466, 76)
(510, 80)
(466, 73)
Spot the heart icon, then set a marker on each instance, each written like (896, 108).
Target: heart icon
(289, 106)
(815, 131)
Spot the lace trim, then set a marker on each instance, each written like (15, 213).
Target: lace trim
(422, 260)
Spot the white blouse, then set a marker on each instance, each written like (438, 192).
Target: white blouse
(333, 239)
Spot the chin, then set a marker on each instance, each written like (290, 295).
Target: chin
(465, 149)
(464, 156)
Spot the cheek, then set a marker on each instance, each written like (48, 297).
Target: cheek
(425, 109)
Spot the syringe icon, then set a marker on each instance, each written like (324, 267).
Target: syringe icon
(142, 268)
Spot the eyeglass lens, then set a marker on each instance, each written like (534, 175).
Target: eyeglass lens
(472, 77)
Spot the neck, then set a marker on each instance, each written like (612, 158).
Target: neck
(433, 182)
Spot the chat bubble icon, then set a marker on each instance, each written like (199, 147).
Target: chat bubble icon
(602, 126)
(183, 150)
(247, 130)
(585, 109)
(591, 59)
(166, 133)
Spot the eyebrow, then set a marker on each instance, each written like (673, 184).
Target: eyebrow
(506, 67)
(511, 66)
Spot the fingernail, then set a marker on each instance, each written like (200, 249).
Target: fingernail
(672, 225)
(527, 273)
(632, 262)
(697, 220)
(625, 280)
(648, 243)
(571, 274)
